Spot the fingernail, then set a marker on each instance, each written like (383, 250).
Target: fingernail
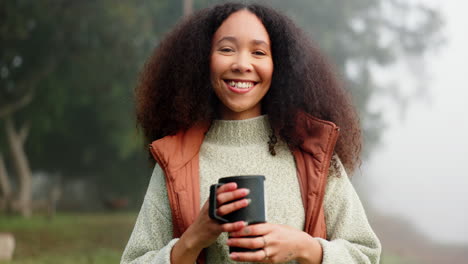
(249, 201)
(232, 256)
(247, 191)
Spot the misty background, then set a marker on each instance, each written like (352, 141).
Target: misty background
(418, 171)
(73, 166)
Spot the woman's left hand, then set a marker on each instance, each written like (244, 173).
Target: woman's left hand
(276, 243)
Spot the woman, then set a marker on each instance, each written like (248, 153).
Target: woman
(238, 89)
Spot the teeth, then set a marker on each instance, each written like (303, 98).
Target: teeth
(241, 84)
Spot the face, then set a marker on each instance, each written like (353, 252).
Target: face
(241, 65)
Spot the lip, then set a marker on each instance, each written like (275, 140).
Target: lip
(238, 90)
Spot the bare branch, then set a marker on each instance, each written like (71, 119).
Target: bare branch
(5, 185)
(24, 132)
(188, 7)
(10, 108)
(10, 128)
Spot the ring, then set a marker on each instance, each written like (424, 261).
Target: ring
(266, 254)
(264, 241)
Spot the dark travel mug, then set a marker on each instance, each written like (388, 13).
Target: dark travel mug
(254, 213)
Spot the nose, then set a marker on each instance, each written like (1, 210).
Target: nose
(242, 63)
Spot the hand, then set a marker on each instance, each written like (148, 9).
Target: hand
(204, 230)
(277, 243)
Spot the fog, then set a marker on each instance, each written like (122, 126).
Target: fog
(420, 171)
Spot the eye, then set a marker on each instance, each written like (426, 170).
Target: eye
(226, 49)
(259, 53)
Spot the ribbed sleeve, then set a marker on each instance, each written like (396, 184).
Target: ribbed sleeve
(350, 238)
(151, 240)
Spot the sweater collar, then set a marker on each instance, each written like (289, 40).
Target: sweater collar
(239, 132)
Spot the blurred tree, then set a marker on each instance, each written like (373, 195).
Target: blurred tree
(67, 73)
(16, 91)
(67, 69)
(361, 36)
(188, 6)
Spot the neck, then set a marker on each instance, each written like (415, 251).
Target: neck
(228, 114)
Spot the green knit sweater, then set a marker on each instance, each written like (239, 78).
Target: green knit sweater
(240, 147)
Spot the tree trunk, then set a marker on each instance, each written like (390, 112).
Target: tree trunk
(188, 7)
(5, 187)
(23, 172)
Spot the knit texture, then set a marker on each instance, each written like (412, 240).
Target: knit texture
(239, 148)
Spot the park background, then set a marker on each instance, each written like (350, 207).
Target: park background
(73, 168)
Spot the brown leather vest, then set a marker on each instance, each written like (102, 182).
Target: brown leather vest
(178, 156)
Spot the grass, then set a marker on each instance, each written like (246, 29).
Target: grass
(69, 238)
(83, 238)
(395, 259)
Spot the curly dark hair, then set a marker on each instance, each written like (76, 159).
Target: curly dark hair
(175, 92)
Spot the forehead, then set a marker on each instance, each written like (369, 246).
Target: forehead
(242, 24)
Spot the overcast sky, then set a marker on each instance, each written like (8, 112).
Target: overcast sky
(421, 171)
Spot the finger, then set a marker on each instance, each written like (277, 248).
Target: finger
(231, 207)
(227, 187)
(232, 227)
(251, 242)
(232, 195)
(255, 256)
(253, 230)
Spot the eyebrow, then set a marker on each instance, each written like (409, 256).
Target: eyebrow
(233, 39)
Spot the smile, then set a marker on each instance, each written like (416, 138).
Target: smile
(238, 86)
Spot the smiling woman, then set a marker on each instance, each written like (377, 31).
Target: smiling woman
(238, 89)
(241, 65)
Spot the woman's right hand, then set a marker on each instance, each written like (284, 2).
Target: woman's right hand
(204, 231)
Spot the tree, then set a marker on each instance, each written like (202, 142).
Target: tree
(364, 35)
(68, 69)
(17, 26)
(361, 36)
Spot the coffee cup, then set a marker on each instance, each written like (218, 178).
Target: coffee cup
(254, 213)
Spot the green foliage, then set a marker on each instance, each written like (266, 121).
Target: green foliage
(81, 59)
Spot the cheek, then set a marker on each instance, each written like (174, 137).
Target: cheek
(215, 75)
(266, 75)
(265, 70)
(213, 67)
(217, 66)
